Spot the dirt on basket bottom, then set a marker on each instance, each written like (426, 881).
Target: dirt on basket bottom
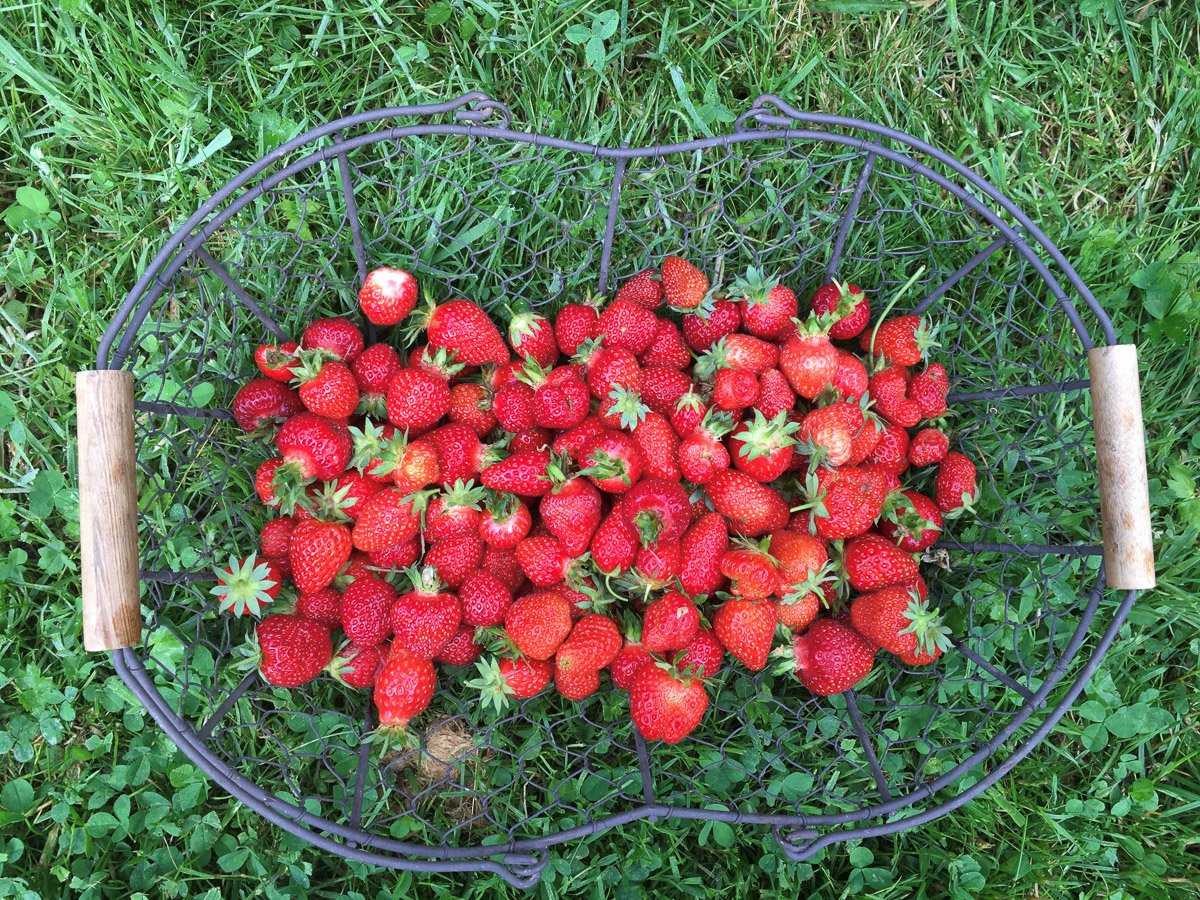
(445, 771)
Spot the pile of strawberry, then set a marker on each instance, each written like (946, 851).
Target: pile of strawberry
(688, 471)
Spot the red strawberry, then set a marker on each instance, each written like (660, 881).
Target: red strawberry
(373, 370)
(615, 544)
(666, 706)
(928, 446)
(775, 394)
(689, 412)
(532, 337)
(797, 611)
(801, 559)
(416, 400)
(462, 326)
(276, 537)
(829, 657)
(751, 572)
(892, 450)
(738, 351)
(460, 454)
(387, 296)
(900, 623)
(762, 448)
(426, 618)
(956, 488)
(572, 512)
(318, 550)
(645, 289)
(397, 556)
(277, 362)
(767, 306)
(745, 628)
(608, 368)
(658, 509)
(576, 683)
(390, 517)
(702, 656)
(312, 446)
(850, 378)
(848, 303)
(368, 444)
(849, 500)
(903, 340)
(569, 442)
(440, 363)
(471, 405)
(809, 360)
(574, 326)
(484, 598)
(684, 286)
(612, 460)
(293, 651)
(667, 349)
(828, 433)
(626, 324)
(543, 559)
(872, 561)
(455, 558)
(703, 329)
(735, 389)
(889, 392)
(702, 454)
(412, 464)
(366, 611)
(539, 623)
(522, 473)
(662, 388)
(505, 566)
(659, 446)
(752, 508)
(403, 689)
(917, 524)
(454, 513)
(866, 440)
(338, 337)
(461, 650)
(505, 521)
(520, 677)
(562, 400)
(356, 666)
(245, 586)
(928, 390)
(628, 662)
(513, 406)
(262, 403)
(656, 566)
(593, 643)
(324, 606)
(701, 549)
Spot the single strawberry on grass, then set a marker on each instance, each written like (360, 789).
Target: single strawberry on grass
(262, 404)
(292, 651)
(665, 704)
(277, 361)
(956, 487)
(928, 446)
(903, 340)
(246, 585)
(387, 295)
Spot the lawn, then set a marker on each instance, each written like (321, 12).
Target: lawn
(118, 120)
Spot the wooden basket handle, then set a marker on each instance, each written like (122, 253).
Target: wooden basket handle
(1121, 467)
(108, 538)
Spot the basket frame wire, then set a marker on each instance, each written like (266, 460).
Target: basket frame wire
(520, 862)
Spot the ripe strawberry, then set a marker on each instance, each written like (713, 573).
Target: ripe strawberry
(751, 572)
(752, 508)
(462, 326)
(701, 549)
(656, 567)
(427, 617)
(440, 363)
(416, 400)
(373, 370)
(544, 559)
(745, 628)
(684, 286)
(608, 368)
(293, 651)
(505, 566)
(667, 350)
(312, 446)
(738, 351)
(356, 666)
(928, 446)
(762, 448)
(324, 606)
(903, 340)
(403, 689)
(797, 611)
(343, 499)
(846, 301)
(387, 296)
(767, 307)
(455, 558)
(318, 550)
(849, 501)
(871, 561)
(562, 400)
(665, 705)
(645, 289)
(520, 677)
(576, 683)
(262, 403)
(454, 513)
(338, 337)
(277, 362)
(622, 408)
(471, 405)
(366, 610)
(701, 657)
(955, 482)
(889, 392)
(688, 413)
(808, 359)
(702, 454)
(800, 558)
(900, 623)
(627, 663)
(891, 452)
(532, 337)
(574, 326)
(505, 521)
(889, 479)
(735, 389)
(615, 544)
(829, 657)
(513, 406)
(662, 388)
(703, 329)
(522, 473)
(612, 460)
(390, 517)
(569, 442)
(593, 643)
(276, 536)
(866, 440)
(850, 378)
(461, 649)
(917, 526)
(928, 389)
(828, 433)
(245, 586)
(460, 454)
(658, 509)
(397, 556)
(539, 623)
(659, 446)
(572, 511)
(368, 444)
(484, 598)
(775, 394)
(626, 324)
(411, 463)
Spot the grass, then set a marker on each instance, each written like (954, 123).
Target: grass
(117, 120)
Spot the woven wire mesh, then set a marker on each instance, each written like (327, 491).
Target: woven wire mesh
(495, 215)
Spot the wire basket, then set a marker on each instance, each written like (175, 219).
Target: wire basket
(480, 210)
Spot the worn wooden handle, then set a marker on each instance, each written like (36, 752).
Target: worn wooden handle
(108, 539)
(1121, 466)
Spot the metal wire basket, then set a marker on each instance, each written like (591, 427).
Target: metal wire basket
(481, 210)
